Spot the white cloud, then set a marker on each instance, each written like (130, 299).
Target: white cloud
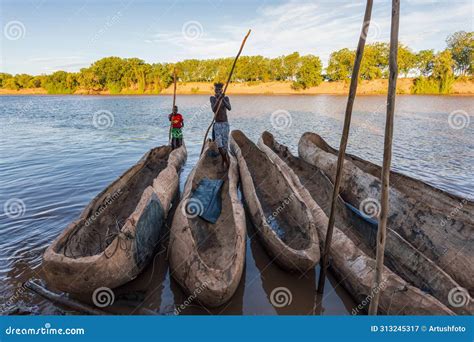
(66, 63)
(323, 27)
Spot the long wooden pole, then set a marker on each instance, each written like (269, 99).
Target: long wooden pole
(343, 144)
(387, 158)
(225, 89)
(174, 103)
(174, 91)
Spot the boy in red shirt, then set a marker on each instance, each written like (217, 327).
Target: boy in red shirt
(176, 124)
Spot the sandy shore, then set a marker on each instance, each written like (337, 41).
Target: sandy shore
(374, 87)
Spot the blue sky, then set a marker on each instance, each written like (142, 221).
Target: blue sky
(42, 36)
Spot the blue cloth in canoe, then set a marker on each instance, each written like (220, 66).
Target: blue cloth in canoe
(368, 219)
(208, 193)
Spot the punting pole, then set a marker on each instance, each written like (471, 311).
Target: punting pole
(225, 89)
(387, 158)
(174, 103)
(343, 144)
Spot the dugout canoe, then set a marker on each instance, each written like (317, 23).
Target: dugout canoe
(207, 259)
(352, 261)
(115, 236)
(282, 219)
(438, 224)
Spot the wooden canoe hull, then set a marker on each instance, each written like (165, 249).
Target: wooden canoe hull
(209, 284)
(290, 258)
(131, 250)
(419, 213)
(351, 265)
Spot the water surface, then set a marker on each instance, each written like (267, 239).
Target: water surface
(55, 157)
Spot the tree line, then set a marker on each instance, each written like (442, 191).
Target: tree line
(434, 72)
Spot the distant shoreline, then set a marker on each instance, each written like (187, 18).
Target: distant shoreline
(373, 87)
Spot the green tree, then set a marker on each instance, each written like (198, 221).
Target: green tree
(252, 68)
(22, 80)
(442, 76)
(443, 71)
(190, 70)
(61, 82)
(10, 83)
(222, 67)
(290, 66)
(3, 78)
(276, 69)
(406, 60)
(340, 65)
(88, 80)
(309, 72)
(134, 72)
(461, 44)
(375, 61)
(424, 61)
(37, 81)
(109, 70)
(159, 77)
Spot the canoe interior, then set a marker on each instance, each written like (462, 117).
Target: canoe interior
(437, 224)
(275, 196)
(215, 242)
(362, 231)
(400, 256)
(414, 188)
(319, 186)
(107, 213)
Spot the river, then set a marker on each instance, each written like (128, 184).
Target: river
(58, 152)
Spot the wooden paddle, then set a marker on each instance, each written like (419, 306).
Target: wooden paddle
(387, 158)
(225, 89)
(343, 144)
(174, 103)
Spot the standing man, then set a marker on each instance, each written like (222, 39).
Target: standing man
(220, 131)
(176, 124)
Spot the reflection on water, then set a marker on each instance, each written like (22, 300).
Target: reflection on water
(54, 160)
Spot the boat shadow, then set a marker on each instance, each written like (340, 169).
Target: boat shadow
(286, 293)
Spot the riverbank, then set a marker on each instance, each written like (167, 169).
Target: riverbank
(373, 87)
